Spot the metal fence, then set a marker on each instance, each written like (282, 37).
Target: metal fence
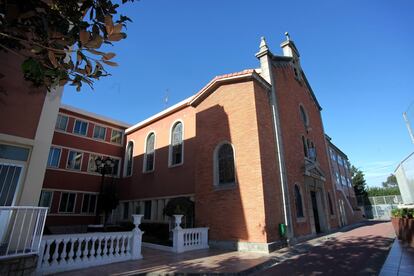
(379, 207)
(21, 230)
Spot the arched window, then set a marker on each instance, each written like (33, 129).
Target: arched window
(298, 202)
(129, 156)
(176, 145)
(304, 116)
(330, 205)
(224, 165)
(149, 153)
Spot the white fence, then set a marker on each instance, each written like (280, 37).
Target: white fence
(21, 230)
(190, 239)
(67, 252)
(184, 239)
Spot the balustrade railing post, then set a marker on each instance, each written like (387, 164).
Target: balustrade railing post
(136, 238)
(40, 256)
(178, 235)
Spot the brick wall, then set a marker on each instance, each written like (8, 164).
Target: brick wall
(292, 93)
(238, 213)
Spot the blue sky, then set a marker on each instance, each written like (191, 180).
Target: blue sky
(357, 55)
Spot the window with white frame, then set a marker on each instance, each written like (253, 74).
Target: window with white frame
(45, 199)
(99, 132)
(116, 136)
(332, 152)
(54, 157)
(224, 169)
(333, 155)
(340, 162)
(74, 160)
(338, 181)
(149, 156)
(80, 127)
(91, 162)
(115, 168)
(343, 181)
(67, 203)
(89, 204)
(61, 122)
(129, 156)
(176, 145)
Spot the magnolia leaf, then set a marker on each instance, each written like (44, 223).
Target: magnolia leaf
(95, 43)
(109, 25)
(95, 52)
(108, 56)
(84, 36)
(117, 28)
(88, 69)
(110, 63)
(116, 37)
(78, 57)
(52, 58)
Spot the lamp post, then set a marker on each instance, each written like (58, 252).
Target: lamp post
(103, 166)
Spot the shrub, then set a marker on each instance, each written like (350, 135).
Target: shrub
(403, 213)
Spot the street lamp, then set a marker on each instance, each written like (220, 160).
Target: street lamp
(103, 166)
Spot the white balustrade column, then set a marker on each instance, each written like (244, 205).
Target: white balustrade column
(178, 235)
(136, 238)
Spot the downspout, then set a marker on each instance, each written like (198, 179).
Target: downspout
(264, 56)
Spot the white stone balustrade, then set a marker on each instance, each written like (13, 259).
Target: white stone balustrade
(67, 252)
(190, 238)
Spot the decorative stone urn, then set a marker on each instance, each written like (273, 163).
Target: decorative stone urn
(177, 220)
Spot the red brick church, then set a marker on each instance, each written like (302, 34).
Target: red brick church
(249, 150)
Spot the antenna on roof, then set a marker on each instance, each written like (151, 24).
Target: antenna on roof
(166, 98)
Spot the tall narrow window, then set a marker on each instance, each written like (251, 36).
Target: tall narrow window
(305, 147)
(149, 153)
(45, 198)
(61, 122)
(330, 205)
(54, 157)
(298, 202)
(304, 116)
(224, 165)
(176, 146)
(129, 156)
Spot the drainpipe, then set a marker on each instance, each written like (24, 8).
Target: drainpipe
(264, 56)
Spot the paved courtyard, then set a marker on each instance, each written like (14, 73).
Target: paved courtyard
(361, 251)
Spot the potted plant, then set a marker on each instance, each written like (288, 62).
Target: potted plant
(403, 223)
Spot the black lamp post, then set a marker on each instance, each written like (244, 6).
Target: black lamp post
(103, 166)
